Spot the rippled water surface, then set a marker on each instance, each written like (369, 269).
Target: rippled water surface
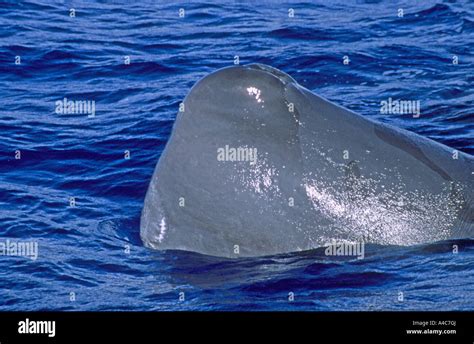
(84, 249)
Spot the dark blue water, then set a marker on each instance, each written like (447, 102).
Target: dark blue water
(94, 251)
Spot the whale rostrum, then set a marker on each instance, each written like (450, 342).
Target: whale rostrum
(258, 165)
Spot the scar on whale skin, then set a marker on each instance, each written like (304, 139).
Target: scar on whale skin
(390, 136)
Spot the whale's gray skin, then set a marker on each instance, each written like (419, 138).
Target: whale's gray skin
(322, 172)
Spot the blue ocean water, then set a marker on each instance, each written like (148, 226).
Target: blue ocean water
(91, 257)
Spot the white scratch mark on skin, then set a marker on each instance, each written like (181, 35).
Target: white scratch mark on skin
(161, 236)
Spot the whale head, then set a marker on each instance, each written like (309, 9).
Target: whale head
(256, 165)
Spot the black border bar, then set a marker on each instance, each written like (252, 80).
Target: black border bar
(332, 327)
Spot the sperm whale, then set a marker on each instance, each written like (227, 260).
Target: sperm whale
(259, 165)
